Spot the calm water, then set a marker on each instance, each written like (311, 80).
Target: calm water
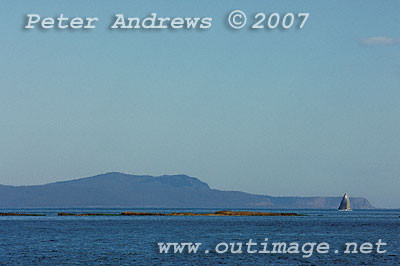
(115, 240)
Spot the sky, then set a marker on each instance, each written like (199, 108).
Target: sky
(310, 112)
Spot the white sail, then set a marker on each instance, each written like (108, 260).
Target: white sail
(345, 203)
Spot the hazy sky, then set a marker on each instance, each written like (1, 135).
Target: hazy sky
(285, 113)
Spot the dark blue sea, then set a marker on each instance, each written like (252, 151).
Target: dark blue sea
(132, 240)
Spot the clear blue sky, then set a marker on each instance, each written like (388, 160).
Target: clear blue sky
(301, 113)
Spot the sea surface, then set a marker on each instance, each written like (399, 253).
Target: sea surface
(132, 240)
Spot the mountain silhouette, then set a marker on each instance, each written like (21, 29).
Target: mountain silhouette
(167, 191)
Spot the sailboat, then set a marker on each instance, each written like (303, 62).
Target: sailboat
(345, 204)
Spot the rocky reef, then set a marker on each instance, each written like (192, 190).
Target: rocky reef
(20, 214)
(217, 213)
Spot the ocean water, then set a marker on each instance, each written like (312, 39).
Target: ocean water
(119, 240)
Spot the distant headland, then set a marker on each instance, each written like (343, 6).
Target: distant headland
(142, 191)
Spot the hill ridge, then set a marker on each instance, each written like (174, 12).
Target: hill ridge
(116, 189)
